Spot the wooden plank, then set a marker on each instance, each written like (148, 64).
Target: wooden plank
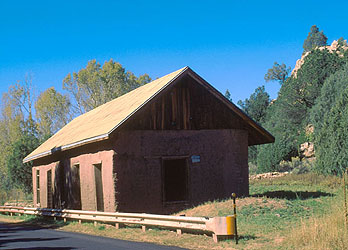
(188, 107)
(184, 108)
(162, 116)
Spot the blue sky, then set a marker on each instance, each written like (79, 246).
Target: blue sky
(231, 44)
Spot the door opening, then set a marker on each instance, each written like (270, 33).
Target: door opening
(175, 180)
(99, 186)
(77, 187)
(38, 187)
(49, 189)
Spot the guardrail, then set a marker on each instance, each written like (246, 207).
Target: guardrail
(219, 227)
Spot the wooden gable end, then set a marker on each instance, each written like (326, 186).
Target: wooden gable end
(187, 105)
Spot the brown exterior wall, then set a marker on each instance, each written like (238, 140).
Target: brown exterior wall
(87, 178)
(65, 182)
(222, 169)
(43, 183)
(132, 172)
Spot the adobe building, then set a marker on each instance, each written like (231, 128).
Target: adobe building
(172, 143)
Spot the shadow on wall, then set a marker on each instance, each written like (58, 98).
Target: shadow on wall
(290, 195)
(66, 193)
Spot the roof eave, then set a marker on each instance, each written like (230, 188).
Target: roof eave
(67, 147)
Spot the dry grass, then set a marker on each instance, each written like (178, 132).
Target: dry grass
(8, 219)
(225, 207)
(311, 179)
(326, 232)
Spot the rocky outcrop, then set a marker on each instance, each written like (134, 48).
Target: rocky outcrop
(335, 47)
(307, 150)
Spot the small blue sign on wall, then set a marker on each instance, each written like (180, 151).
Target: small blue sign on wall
(195, 158)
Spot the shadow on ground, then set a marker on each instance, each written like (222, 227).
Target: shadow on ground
(291, 195)
(9, 234)
(247, 237)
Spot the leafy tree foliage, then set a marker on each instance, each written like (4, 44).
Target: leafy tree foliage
(342, 42)
(52, 112)
(20, 133)
(256, 105)
(20, 173)
(96, 84)
(332, 156)
(288, 116)
(228, 95)
(329, 117)
(279, 73)
(314, 39)
(15, 107)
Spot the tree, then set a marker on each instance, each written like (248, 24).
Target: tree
(330, 119)
(331, 139)
(279, 73)
(298, 95)
(332, 87)
(20, 173)
(228, 95)
(15, 108)
(256, 105)
(288, 116)
(52, 112)
(342, 42)
(314, 39)
(96, 84)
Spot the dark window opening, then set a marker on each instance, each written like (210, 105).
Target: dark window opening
(99, 186)
(49, 189)
(175, 180)
(38, 186)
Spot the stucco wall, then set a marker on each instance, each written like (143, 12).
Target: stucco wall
(222, 169)
(64, 180)
(43, 183)
(87, 178)
(132, 169)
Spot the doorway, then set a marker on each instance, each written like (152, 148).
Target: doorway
(99, 186)
(174, 179)
(76, 183)
(49, 189)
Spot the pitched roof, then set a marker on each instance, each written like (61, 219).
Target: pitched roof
(100, 122)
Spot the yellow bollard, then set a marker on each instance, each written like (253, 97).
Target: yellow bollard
(230, 221)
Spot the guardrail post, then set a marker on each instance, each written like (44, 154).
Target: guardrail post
(178, 231)
(117, 225)
(235, 217)
(64, 220)
(95, 223)
(143, 228)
